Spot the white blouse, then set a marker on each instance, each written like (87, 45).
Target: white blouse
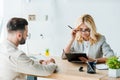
(86, 46)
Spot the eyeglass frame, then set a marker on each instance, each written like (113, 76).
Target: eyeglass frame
(85, 30)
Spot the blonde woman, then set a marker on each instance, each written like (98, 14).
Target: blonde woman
(85, 39)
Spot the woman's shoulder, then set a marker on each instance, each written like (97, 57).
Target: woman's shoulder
(101, 38)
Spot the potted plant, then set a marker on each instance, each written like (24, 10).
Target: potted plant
(113, 64)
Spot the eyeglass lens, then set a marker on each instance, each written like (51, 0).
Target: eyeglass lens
(85, 30)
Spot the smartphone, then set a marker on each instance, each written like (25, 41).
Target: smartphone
(69, 26)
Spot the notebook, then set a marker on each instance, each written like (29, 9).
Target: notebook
(101, 66)
(74, 57)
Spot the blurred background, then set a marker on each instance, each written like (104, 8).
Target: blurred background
(48, 20)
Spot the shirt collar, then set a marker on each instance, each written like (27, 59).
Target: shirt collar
(12, 44)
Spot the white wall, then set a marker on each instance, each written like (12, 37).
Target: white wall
(1, 14)
(61, 13)
(105, 13)
(1, 8)
(36, 43)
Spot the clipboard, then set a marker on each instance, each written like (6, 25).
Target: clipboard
(74, 57)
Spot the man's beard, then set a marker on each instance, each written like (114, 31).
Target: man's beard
(22, 41)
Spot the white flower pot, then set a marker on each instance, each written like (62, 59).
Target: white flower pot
(114, 72)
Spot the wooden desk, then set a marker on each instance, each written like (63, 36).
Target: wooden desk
(109, 78)
(70, 71)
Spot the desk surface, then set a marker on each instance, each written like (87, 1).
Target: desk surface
(70, 71)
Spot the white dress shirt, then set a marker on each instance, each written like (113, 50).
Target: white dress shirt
(14, 64)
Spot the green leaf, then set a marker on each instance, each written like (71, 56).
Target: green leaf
(113, 62)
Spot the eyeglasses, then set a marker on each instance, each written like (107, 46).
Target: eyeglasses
(84, 30)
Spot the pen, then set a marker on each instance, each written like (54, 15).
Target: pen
(69, 26)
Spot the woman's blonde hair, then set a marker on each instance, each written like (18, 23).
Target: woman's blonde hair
(89, 22)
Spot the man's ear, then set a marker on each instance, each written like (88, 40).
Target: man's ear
(19, 35)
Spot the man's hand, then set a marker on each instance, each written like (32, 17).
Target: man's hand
(42, 62)
(51, 60)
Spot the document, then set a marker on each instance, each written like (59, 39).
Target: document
(101, 66)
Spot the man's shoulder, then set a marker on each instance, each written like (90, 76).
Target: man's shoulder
(10, 49)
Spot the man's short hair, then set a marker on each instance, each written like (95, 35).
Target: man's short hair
(16, 24)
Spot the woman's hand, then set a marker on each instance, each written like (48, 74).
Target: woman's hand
(83, 59)
(74, 31)
(91, 59)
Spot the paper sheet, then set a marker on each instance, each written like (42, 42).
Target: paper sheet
(101, 66)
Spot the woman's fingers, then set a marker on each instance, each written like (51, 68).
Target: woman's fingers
(83, 59)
